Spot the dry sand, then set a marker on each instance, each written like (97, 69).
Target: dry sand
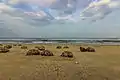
(104, 64)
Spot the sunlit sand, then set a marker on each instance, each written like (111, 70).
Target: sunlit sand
(103, 64)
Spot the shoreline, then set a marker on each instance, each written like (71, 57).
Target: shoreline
(82, 44)
(107, 42)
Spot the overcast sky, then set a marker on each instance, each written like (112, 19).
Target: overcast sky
(14, 22)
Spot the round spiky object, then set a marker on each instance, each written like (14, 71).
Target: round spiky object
(33, 52)
(4, 50)
(67, 54)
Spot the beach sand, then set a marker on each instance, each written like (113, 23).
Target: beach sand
(104, 64)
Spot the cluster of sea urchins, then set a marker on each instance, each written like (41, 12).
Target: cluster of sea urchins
(58, 47)
(89, 49)
(65, 47)
(8, 46)
(4, 50)
(14, 44)
(1, 44)
(40, 51)
(67, 54)
(33, 52)
(24, 47)
(41, 48)
(19, 44)
(46, 53)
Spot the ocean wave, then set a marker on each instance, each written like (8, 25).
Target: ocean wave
(76, 41)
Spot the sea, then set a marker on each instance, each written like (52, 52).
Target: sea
(100, 41)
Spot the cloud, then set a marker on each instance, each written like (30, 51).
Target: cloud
(39, 18)
(102, 7)
(5, 7)
(44, 3)
(27, 11)
(115, 4)
(24, 25)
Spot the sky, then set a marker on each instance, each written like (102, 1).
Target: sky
(60, 18)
